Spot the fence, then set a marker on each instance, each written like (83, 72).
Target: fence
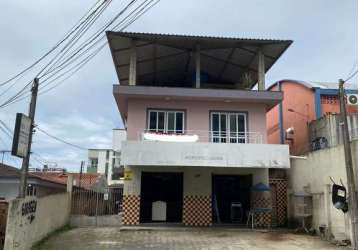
(92, 203)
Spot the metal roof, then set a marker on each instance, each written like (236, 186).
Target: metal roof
(166, 59)
(322, 85)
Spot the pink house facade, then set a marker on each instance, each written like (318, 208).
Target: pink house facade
(196, 133)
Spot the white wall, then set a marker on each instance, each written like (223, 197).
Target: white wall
(119, 135)
(313, 175)
(152, 153)
(52, 212)
(197, 180)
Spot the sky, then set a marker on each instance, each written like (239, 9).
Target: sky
(82, 110)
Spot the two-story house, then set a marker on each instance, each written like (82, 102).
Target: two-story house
(196, 132)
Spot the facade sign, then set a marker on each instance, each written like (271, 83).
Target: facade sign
(128, 175)
(20, 143)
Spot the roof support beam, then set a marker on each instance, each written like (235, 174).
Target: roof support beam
(154, 58)
(261, 70)
(197, 66)
(225, 64)
(229, 62)
(133, 64)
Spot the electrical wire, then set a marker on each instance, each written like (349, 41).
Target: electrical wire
(88, 49)
(75, 28)
(59, 139)
(50, 51)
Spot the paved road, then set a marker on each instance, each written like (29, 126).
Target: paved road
(208, 239)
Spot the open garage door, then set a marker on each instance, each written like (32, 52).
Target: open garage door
(231, 198)
(165, 190)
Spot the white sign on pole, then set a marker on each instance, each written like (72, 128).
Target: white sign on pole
(20, 143)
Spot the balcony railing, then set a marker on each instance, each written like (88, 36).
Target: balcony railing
(202, 136)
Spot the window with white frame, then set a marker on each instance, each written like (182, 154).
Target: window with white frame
(228, 127)
(166, 121)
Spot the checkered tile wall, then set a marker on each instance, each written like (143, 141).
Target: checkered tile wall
(131, 209)
(280, 187)
(197, 210)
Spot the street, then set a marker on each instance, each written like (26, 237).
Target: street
(180, 238)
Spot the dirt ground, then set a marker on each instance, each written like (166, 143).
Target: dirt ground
(107, 238)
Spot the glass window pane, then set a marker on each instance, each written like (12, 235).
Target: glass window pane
(241, 123)
(161, 116)
(152, 121)
(215, 127)
(171, 120)
(179, 122)
(241, 128)
(223, 127)
(233, 128)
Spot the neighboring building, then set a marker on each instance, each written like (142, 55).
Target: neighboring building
(196, 132)
(37, 185)
(107, 161)
(326, 132)
(302, 103)
(84, 180)
(315, 175)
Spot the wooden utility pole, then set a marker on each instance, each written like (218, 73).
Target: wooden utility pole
(352, 205)
(26, 159)
(81, 171)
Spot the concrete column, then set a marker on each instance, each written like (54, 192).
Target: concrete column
(197, 67)
(261, 70)
(133, 65)
(69, 183)
(327, 207)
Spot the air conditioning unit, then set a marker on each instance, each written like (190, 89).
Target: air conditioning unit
(352, 99)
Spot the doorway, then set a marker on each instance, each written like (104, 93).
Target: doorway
(231, 198)
(165, 187)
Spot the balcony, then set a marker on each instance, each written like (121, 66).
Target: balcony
(202, 136)
(204, 149)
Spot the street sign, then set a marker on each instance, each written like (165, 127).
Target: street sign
(20, 143)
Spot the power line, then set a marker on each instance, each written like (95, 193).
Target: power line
(59, 139)
(87, 49)
(75, 28)
(50, 51)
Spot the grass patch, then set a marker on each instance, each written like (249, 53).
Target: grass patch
(40, 244)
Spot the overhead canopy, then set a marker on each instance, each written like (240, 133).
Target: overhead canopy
(169, 60)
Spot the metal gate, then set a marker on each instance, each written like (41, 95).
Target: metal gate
(3, 218)
(92, 203)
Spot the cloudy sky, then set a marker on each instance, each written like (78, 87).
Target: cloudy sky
(82, 109)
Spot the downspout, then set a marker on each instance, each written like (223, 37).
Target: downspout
(317, 102)
(280, 117)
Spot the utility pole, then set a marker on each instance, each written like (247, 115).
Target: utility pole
(26, 159)
(349, 167)
(81, 171)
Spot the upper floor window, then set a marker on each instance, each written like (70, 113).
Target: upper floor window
(93, 162)
(228, 127)
(166, 121)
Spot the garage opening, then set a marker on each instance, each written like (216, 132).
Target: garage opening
(161, 197)
(231, 198)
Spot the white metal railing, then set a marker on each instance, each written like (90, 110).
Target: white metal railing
(202, 136)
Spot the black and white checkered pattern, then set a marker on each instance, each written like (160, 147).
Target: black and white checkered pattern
(281, 200)
(197, 210)
(131, 209)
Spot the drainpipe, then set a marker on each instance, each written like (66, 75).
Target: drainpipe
(317, 102)
(280, 116)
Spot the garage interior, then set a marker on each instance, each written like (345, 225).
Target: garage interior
(166, 188)
(231, 198)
